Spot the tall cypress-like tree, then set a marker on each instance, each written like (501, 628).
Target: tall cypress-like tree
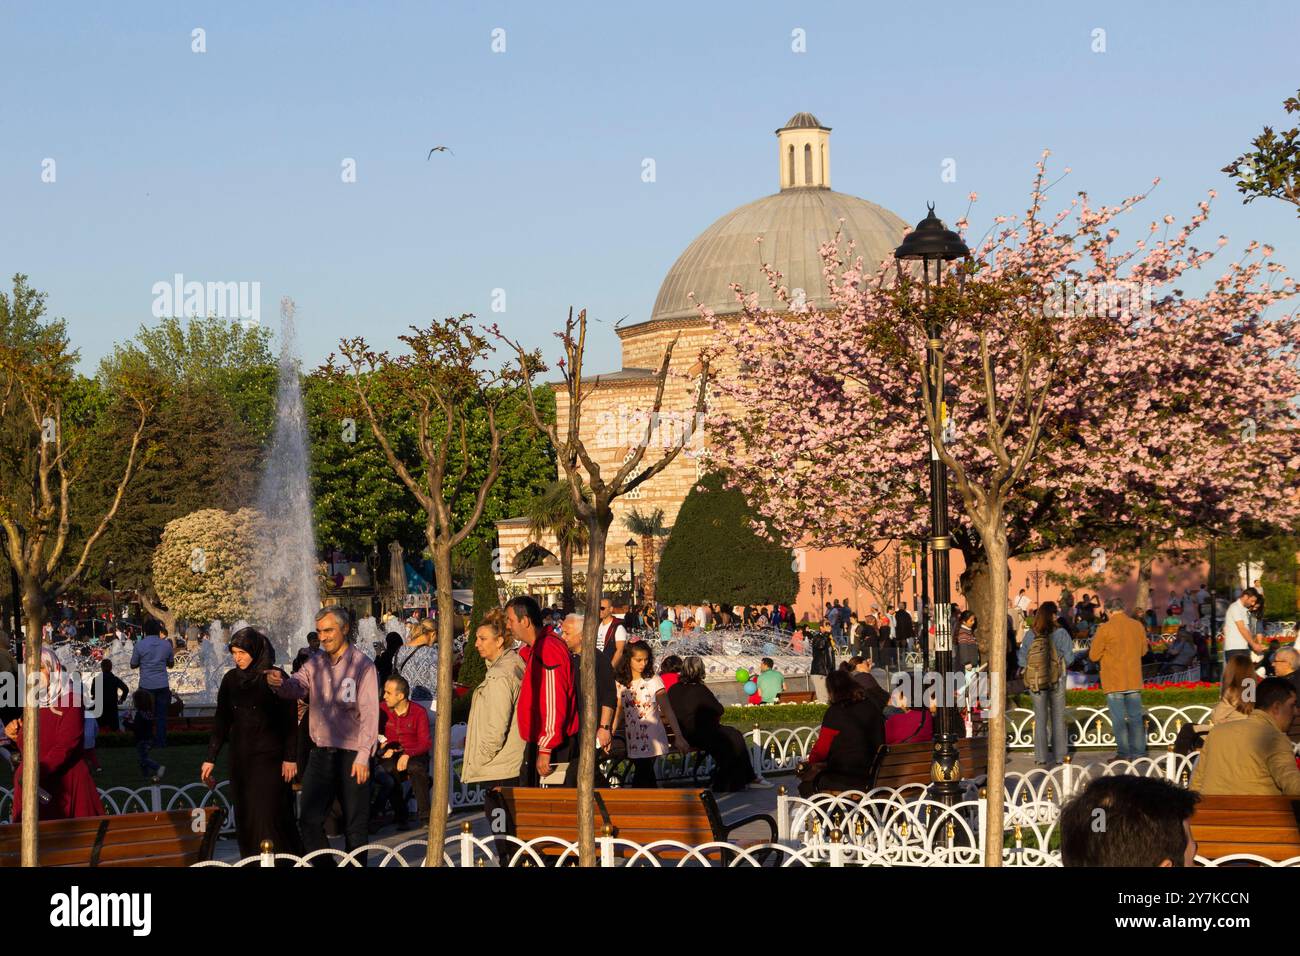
(472, 667)
(714, 554)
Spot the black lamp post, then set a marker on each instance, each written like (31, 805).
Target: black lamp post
(822, 585)
(1216, 656)
(934, 245)
(112, 587)
(631, 562)
(1036, 576)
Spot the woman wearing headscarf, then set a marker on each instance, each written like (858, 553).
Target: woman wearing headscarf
(699, 715)
(62, 769)
(261, 728)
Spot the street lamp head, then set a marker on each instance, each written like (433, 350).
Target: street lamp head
(932, 240)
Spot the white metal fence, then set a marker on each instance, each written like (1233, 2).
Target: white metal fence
(155, 798)
(900, 838)
(898, 823)
(772, 752)
(1091, 726)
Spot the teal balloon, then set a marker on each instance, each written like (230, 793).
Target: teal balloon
(751, 688)
(769, 650)
(742, 675)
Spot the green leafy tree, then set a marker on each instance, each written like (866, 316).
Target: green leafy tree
(202, 448)
(222, 354)
(651, 529)
(551, 513)
(1272, 168)
(714, 553)
(359, 502)
(1272, 559)
(197, 456)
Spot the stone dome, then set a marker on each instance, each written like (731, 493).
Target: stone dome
(793, 223)
(803, 121)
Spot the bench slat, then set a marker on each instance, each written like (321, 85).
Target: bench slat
(1265, 826)
(644, 816)
(130, 839)
(1269, 851)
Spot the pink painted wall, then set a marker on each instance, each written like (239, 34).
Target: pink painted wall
(834, 565)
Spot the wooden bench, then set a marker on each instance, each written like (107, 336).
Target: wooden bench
(901, 764)
(797, 697)
(1265, 826)
(171, 838)
(642, 816)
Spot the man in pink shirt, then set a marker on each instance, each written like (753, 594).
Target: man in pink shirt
(342, 693)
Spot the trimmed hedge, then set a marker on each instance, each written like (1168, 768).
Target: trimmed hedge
(713, 553)
(1177, 697)
(765, 715)
(744, 717)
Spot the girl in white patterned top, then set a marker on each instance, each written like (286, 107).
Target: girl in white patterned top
(644, 710)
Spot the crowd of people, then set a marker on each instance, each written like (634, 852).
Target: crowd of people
(354, 733)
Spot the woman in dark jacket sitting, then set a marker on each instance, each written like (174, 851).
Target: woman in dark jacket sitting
(851, 734)
(698, 715)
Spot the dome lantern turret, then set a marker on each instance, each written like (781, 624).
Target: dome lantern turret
(804, 148)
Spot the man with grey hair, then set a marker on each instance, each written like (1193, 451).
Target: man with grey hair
(1119, 646)
(606, 696)
(341, 688)
(1285, 664)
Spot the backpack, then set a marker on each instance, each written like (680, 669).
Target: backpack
(1044, 668)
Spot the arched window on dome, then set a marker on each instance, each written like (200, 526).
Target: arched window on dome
(807, 164)
(792, 164)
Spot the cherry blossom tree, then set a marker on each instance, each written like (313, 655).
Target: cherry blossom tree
(1085, 391)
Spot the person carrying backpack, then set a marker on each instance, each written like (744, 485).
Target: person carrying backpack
(1045, 652)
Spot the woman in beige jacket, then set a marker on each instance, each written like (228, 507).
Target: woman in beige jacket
(494, 750)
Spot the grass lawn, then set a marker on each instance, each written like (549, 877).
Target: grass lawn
(122, 768)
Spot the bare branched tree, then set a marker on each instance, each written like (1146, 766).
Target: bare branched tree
(583, 472)
(43, 464)
(439, 382)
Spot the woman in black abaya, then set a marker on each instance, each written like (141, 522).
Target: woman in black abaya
(262, 730)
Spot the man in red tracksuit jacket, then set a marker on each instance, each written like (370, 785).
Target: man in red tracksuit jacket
(546, 713)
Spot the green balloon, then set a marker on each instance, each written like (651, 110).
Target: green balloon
(742, 675)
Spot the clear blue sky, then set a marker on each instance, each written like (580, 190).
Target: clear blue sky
(225, 166)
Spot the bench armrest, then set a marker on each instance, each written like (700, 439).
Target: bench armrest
(756, 818)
